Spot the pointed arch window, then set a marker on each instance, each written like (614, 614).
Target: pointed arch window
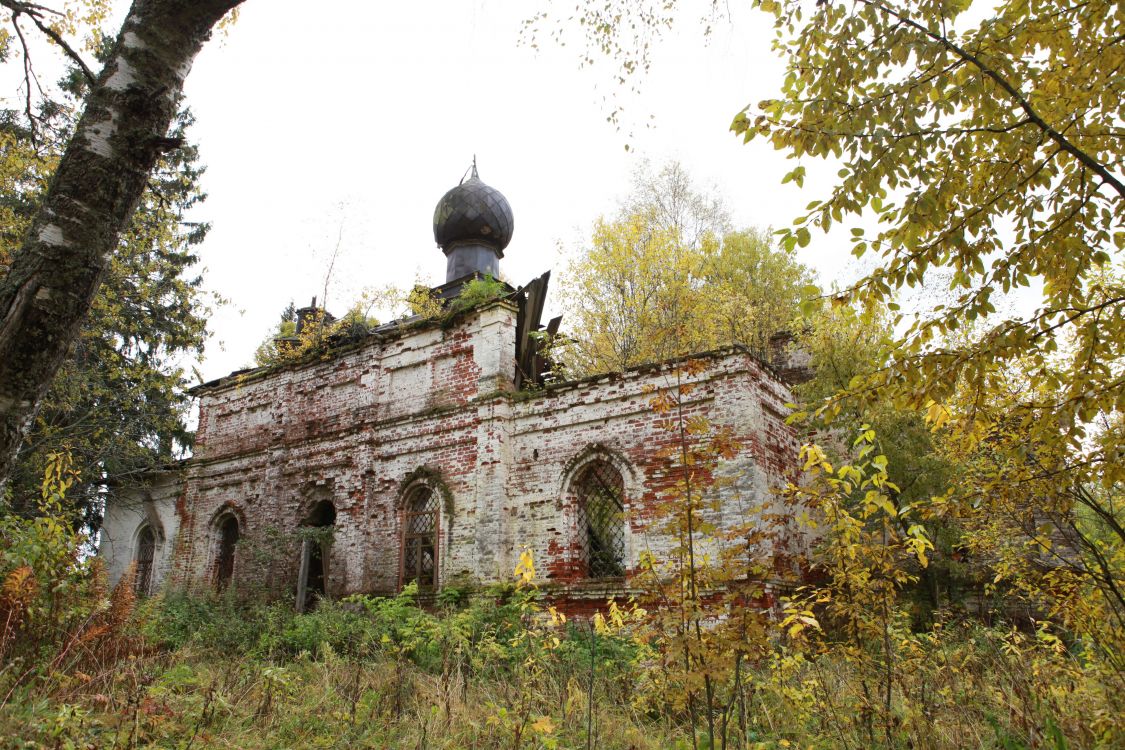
(145, 554)
(228, 540)
(419, 542)
(600, 499)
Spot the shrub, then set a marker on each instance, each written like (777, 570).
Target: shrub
(56, 613)
(218, 622)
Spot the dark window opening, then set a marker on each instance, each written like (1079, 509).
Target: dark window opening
(600, 493)
(419, 551)
(228, 540)
(312, 583)
(146, 552)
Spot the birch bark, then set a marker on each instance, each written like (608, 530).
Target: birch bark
(91, 198)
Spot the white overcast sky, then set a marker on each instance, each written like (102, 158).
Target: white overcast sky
(344, 118)
(358, 116)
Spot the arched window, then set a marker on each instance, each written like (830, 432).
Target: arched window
(599, 492)
(145, 554)
(419, 529)
(228, 540)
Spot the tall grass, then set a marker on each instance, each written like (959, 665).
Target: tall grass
(85, 667)
(211, 672)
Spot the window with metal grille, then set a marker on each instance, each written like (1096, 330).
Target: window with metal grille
(600, 493)
(146, 551)
(419, 551)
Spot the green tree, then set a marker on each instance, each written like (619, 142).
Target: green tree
(756, 288)
(845, 345)
(92, 194)
(989, 149)
(268, 352)
(670, 200)
(118, 403)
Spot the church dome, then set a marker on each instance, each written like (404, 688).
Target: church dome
(473, 213)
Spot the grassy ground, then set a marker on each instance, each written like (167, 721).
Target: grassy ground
(189, 699)
(213, 673)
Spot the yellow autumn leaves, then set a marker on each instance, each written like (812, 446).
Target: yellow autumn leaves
(641, 293)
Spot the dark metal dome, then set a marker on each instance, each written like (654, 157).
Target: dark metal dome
(473, 213)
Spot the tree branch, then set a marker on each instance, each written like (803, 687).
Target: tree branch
(1063, 142)
(34, 12)
(26, 79)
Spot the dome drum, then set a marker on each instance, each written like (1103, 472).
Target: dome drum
(471, 258)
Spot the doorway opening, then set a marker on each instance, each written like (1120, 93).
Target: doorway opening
(312, 579)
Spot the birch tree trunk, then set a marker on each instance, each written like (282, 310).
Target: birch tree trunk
(91, 198)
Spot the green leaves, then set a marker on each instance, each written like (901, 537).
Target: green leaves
(118, 403)
(803, 237)
(797, 176)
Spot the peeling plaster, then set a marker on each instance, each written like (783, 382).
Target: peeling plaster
(361, 420)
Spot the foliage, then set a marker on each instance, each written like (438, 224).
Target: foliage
(39, 568)
(293, 341)
(624, 295)
(867, 554)
(668, 277)
(845, 345)
(870, 547)
(56, 616)
(271, 348)
(290, 342)
(24, 171)
(501, 637)
(320, 536)
(94, 191)
(477, 292)
(757, 288)
(985, 146)
(390, 674)
(503, 671)
(962, 157)
(118, 402)
(977, 147)
(669, 200)
(1003, 521)
(1059, 546)
(704, 620)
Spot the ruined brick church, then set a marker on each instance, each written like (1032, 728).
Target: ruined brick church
(433, 451)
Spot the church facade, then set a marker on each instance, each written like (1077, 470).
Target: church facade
(431, 451)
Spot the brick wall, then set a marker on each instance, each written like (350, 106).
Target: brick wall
(435, 405)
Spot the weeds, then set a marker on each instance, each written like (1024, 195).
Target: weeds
(87, 667)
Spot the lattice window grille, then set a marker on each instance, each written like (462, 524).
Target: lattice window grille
(600, 493)
(419, 555)
(146, 552)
